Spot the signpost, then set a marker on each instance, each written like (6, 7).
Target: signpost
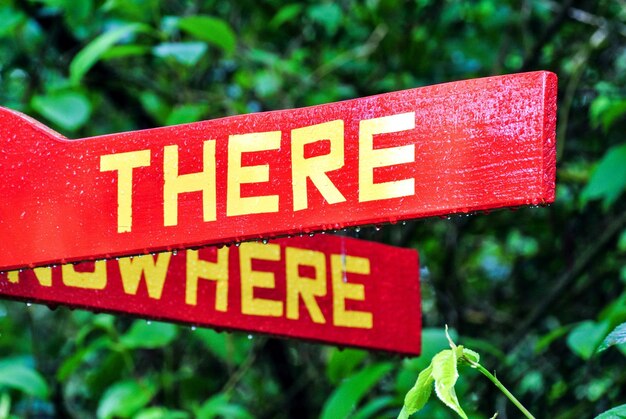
(326, 288)
(451, 148)
(110, 202)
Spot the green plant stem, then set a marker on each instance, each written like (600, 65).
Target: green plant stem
(498, 384)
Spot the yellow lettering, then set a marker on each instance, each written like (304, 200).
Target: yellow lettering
(175, 184)
(238, 174)
(342, 291)
(315, 168)
(214, 271)
(132, 269)
(124, 163)
(95, 280)
(370, 158)
(13, 277)
(251, 279)
(43, 275)
(308, 288)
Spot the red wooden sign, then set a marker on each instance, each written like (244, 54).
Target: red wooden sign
(325, 288)
(456, 147)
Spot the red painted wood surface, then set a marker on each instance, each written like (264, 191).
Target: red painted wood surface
(456, 147)
(325, 288)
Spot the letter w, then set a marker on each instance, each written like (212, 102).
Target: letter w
(132, 270)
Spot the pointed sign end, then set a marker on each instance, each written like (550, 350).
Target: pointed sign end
(15, 125)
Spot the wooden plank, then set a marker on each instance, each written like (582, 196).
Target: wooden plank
(451, 148)
(326, 288)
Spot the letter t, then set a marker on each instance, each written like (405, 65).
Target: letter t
(124, 163)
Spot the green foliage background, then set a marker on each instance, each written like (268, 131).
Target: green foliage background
(534, 290)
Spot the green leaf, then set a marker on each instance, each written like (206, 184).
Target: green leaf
(143, 334)
(125, 398)
(231, 348)
(104, 321)
(546, 340)
(403, 413)
(471, 355)
(184, 114)
(88, 56)
(417, 396)
(219, 406)
(267, 83)
(342, 363)
(160, 413)
(214, 342)
(616, 337)
(585, 338)
(5, 405)
(346, 397)
(285, 14)
(10, 19)
(80, 356)
(108, 369)
(609, 178)
(20, 377)
(210, 29)
(373, 407)
(445, 374)
(123, 51)
(328, 15)
(131, 10)
(614, 313)
(186, 53)
(618, 412)
(605, 110)
(156, 106)
(69, 110)
(433, 341)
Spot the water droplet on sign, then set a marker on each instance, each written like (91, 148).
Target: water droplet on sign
(249, 337)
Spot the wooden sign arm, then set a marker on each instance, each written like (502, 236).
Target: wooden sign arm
(451, 148)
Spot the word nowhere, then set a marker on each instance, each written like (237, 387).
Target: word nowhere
(327, 288)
